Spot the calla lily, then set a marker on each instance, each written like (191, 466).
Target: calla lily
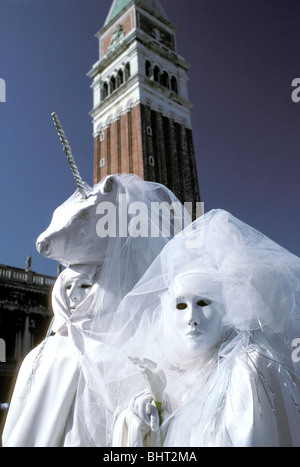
(157, 382)
(154, 376)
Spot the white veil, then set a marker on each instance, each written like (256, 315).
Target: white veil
(256, 281)
(154, 216)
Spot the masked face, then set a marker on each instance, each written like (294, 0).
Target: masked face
(77, 287)
(197, 318)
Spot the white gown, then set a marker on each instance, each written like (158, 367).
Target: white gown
(40, 418)
(243, 403)
(244, 392)
(52, 405)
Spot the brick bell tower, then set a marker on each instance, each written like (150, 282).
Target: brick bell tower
(141, 111)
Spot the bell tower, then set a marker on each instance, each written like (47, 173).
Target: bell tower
(141, 111)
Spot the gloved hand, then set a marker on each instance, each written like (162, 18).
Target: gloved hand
(143, 406)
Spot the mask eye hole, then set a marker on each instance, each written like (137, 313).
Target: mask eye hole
(181, 306)
(86, 286)
(202, 303)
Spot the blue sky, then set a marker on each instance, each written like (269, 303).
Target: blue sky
(244, 56)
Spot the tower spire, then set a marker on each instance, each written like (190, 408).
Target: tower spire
(153, 6)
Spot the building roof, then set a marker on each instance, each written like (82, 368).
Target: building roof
(25, 279)
(152, 6)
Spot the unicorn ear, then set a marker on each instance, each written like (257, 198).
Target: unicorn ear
(108, 185)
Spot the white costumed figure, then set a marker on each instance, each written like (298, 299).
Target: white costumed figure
(211, 358)
(51, 392)
(117, 227)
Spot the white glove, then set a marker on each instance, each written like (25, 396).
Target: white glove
(143, 407)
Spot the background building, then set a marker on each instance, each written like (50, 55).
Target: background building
(25, 315)
(141, 113)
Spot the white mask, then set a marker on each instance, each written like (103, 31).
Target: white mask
(197, 318)
(77, 287)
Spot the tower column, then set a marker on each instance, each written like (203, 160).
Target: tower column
(174, 161)
(97, 157)
(149, 158)
(160, 159)
(114, 168)
(137, 148)
(125, 163)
